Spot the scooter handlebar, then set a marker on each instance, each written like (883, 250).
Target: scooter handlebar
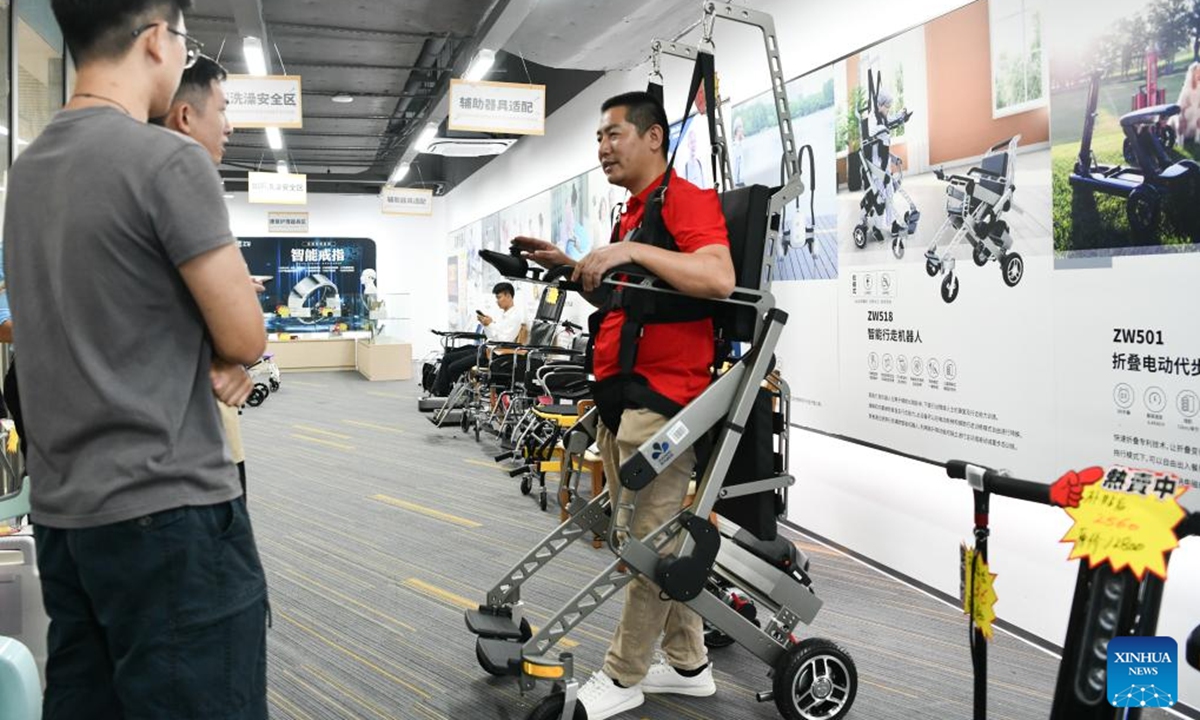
(998, 482)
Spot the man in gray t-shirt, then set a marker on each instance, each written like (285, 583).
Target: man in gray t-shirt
(131, 305)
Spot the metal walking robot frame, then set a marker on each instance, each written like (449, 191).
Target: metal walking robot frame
(812, 678)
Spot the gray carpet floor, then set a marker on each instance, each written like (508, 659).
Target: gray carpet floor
(377, 529)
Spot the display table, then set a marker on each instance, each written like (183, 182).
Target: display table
(385, 361)
(330, 353)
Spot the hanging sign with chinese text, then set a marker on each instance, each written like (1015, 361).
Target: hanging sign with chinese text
(278, 188)
(511, 108)
(406, 201)
(259, 102)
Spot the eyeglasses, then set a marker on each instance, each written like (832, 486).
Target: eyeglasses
(194, 46)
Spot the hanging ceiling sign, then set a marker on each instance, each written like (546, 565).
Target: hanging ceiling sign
(497, 107)
(287, 222)
(406, 201)
(257, 101)
(271, 188)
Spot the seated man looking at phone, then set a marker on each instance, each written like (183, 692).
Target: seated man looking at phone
(506, 327)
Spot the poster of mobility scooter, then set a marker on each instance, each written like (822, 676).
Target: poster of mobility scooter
(808, 249)
(940, 161)
(1125, 92)
(317, 284)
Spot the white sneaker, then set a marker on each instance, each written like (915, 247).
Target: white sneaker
(662, 678)
(603, 698)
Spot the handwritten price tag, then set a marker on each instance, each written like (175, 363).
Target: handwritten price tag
(1127, 521)
(978, 592)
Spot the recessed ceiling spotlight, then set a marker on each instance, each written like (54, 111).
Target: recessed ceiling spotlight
(342, 98)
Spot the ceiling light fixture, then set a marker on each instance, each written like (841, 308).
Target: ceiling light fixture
(469, 147)
(281, 167)
(274, 138)
(480, 65)
(426, 137)
(342, 98)
(399, 173)
(255, 60)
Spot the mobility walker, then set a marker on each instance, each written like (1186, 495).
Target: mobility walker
(882, 173)
(557, 391)
(1107, 603)
(812, 678)
(1154, 179)
(975, 208)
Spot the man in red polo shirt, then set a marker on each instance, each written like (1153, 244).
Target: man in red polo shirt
(673, 359)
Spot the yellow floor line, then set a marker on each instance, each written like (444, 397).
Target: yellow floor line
(450, 598)
(319, 441)
(319, 431)
(390, 396)
(373, 426)
(355, 656)
(428, 512)
(439, 594)
(481, 463)
(305, 384)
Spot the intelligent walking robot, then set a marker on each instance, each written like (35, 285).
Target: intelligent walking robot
(812, 677)
(882, 173)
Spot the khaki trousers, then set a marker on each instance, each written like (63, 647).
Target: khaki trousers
(646, 616)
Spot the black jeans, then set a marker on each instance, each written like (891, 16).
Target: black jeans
(158, 618)
(455, 362)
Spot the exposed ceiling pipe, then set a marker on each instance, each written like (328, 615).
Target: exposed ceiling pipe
(500, 23)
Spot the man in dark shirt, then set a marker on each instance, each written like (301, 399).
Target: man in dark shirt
(128, 290)
(674, 359)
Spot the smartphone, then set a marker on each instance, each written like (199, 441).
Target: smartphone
(263, 279)
(479, 312)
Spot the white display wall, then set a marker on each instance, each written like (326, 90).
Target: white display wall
(407, 247)
(1024, 376)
